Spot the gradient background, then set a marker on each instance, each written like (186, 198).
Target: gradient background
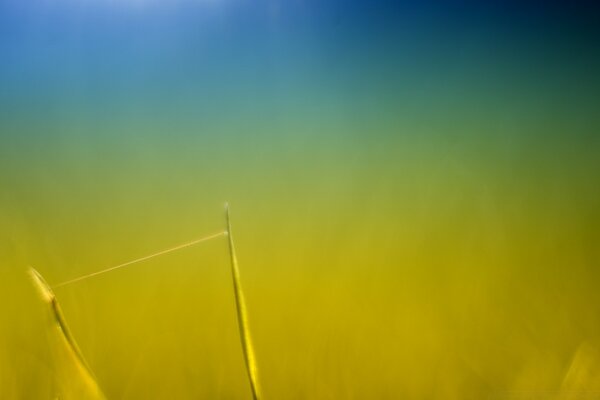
(415, 195)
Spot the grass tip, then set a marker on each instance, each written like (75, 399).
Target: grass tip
(41, 285)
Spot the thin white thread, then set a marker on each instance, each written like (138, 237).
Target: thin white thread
(179, 247)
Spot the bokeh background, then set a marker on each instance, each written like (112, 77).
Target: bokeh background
(414, 188)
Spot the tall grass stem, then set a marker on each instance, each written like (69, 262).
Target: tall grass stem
(242, 315)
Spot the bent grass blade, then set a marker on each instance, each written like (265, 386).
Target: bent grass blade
(77, 380)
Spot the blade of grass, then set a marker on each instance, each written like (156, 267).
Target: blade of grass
(242, 315)
(83, 385)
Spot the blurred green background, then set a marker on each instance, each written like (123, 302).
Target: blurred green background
(414, 195)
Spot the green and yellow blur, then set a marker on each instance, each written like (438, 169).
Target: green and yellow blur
(414, 189)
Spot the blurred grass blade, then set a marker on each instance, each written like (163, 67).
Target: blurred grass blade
(582, 379)
(242, 315)
(78, 381)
